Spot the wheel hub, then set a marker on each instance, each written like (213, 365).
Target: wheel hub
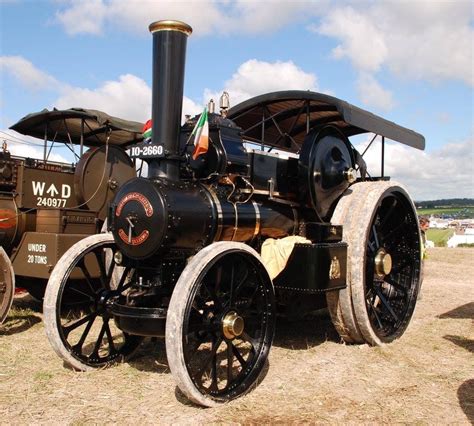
(383, 263)
(232, 325)
(102, 302)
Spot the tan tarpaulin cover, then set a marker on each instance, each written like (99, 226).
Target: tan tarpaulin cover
(275, 253)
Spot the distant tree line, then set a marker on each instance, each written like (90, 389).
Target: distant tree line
(450, 202)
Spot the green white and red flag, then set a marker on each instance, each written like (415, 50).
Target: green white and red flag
(147, 130)
(201, 135)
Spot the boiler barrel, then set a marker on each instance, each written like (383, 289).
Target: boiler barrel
(153, 216)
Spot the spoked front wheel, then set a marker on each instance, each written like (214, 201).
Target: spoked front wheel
(83, 333)
(220, 323)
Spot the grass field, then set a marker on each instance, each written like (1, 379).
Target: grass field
(458, 212)
(423, 378)
(440, 237)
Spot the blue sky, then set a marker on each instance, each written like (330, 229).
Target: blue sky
(408, 61)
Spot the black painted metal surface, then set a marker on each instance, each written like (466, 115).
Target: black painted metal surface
(282, 119)
(314, 268)
(169, 56)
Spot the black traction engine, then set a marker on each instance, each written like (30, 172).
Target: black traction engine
(277, 216)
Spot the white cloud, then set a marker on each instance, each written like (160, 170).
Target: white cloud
(205, 16)
(27, 74)
(256, 16)
(255, 77)
(85, 16)
(373, 94)
(128, 97)
(190, 107)
(135, 15)
(443, 173)
(421, 39)
(362, 42)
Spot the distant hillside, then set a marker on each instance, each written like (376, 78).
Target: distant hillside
(451, 202)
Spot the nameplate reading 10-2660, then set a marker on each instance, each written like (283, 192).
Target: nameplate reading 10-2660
(146, 150)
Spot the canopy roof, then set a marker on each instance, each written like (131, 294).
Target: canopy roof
(282, 119)
(68, 126)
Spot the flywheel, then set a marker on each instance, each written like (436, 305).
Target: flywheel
(99, 173)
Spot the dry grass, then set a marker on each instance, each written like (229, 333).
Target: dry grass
(425, 377)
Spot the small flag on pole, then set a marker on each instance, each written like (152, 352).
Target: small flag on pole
(147, 130)
(201, 135)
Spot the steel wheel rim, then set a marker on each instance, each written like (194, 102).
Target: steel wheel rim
(390, 298)
(91, 319)
(221, 367)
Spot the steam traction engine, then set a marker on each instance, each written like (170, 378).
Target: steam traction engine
(47, 206)
(182, 260)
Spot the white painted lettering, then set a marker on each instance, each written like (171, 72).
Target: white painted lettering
(38, 188)
(65, 191)
(37, 248)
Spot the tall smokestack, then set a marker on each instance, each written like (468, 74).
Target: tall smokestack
(169, 57)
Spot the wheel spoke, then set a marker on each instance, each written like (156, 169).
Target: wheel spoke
(121, 283)
(398, 286)
(194, 329)
(248, 303)
(239, 286)
(385, 303)
(213, 386)
(394, 232)
(374, 231)
(374, 310)
(401, 265)
(82, 266)
(110, 339)
(230, 362)
(103, 274)
(237, 289)
(238, 355)
(95, 351)
(209, 358)
(232, 294)
(212, 295)
(389, 213)
(110, 270)
(78, 346)
(253, 342)
(75, 290)
(191, 352)
(68, 328)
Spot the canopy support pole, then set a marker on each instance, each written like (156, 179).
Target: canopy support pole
(45, 150)
(383, 155)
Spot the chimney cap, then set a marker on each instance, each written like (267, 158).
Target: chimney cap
(170, 25)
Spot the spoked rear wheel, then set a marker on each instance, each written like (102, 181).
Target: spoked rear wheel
(381, 229)
(7, 284)
(220, 323)
(83, 333)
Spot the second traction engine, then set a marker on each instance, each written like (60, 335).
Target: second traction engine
(273, 214)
